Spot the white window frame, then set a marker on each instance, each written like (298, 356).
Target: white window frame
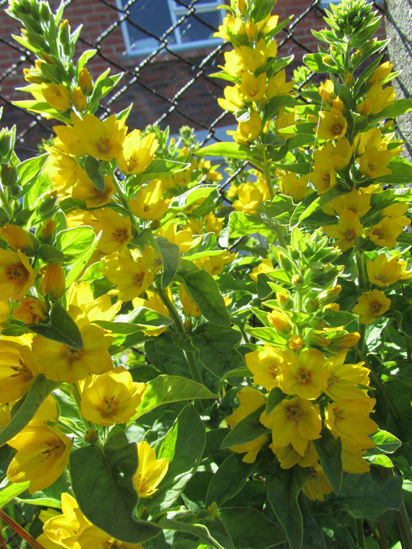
(176, 11)
(326, 3)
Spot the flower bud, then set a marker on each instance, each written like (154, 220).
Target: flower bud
(47, 230)
(280, 321)
(284, 299)
(295, 343)
(85, 81)
(348, 340)
(9, 176)
(79, 100)
(53, 281)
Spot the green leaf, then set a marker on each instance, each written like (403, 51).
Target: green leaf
(203, 289)
(218, 348)
(94, 170)
(398, 107)
(385, 442)
(103, 487)
(158, 168)
(165, 389)
(74, 243)
(225, 150)
(250, 528)
(283, 489)
(183, 447)
(246, 430)
(28, 406)
(228, 480)
(170, 254)
(368, 495)
(61, 328)
(80, 265)
(29, 169)
(275, 396)
(198, 530)
(314, 61)
(12, 490)
(191, 196)
(329, 450)
(242, 224)
(50, 254)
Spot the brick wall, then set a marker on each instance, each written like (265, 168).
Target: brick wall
(165, 73)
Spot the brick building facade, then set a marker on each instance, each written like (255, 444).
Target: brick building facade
(171, 85)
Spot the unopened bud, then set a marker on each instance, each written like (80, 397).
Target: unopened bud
(280, 321)
(47, 230)
(283, 299)
(348, 340)
(297, 280)
(331, 307)
(53, 281)
(91, 436)
(17, 238)
(85, 81)
(79, 100)
(295, 343)
(9, 176)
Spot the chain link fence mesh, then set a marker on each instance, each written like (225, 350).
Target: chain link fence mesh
(168, 87)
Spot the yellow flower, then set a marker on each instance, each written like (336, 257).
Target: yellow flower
(30, 311)
(285, 119)
(85, 81)
(332, 125)
(265, 266)
(383, 271)
(52, 280)
(233, 100)
(292, 185)
(42, 455)
(349, 420)
(323, 177)
(215, 264)
(256, 57)
(137, 152)
(189, 306)
(155, 303)
(150, 471)
(62, 169)
(385, 233)
(95, 538)
(293, 421)
(17, 238)
(233, 63)
(116, 231)
(288, 456)
(354, 463)
(18, 368)
(397, 209)
(377, 99)
(57, 96)
(247, 130)
(265, 366)
(277, 85)
(303, 374)
(327, 91)
(59, 362)
(149, 202)
(182, 238)
(129, 272)
(249, 197)
(374, 161)
(16, 274)
(5, 410)
(110, 398)
(252, 88)
(347, 230)
(63, 529)
(380, 72)
(250, 400)
(84, 307)
(371, 305)
(354, 201)
(343, 378)
(85, 190)
(79, 99)
(317, 485)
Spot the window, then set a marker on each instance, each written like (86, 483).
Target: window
(157, 16)
(326, 3)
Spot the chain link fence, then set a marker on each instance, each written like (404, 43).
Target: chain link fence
(155, 44)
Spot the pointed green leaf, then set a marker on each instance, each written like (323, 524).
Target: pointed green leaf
(12, 490)
(228, 480)
(28, 406)
(246, 430)
(103, 487)
(329, 450)
(170, 254)
(165, 389)
(251, 528)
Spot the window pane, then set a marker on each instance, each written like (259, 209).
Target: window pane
(152, 15)
(191, 30)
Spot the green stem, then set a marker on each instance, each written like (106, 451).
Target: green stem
(359, 533)
(5, 202)
(404, 526)
(266, 173)
(125, 203)
(189, 355)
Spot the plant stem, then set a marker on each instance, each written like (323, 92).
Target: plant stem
(359, 533)
(124, 202)
(189, 355)
(20, 531)
(404, 526)
(266, 173)
(5, 202)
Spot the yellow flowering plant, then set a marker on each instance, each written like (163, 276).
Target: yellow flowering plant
(192, 350)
